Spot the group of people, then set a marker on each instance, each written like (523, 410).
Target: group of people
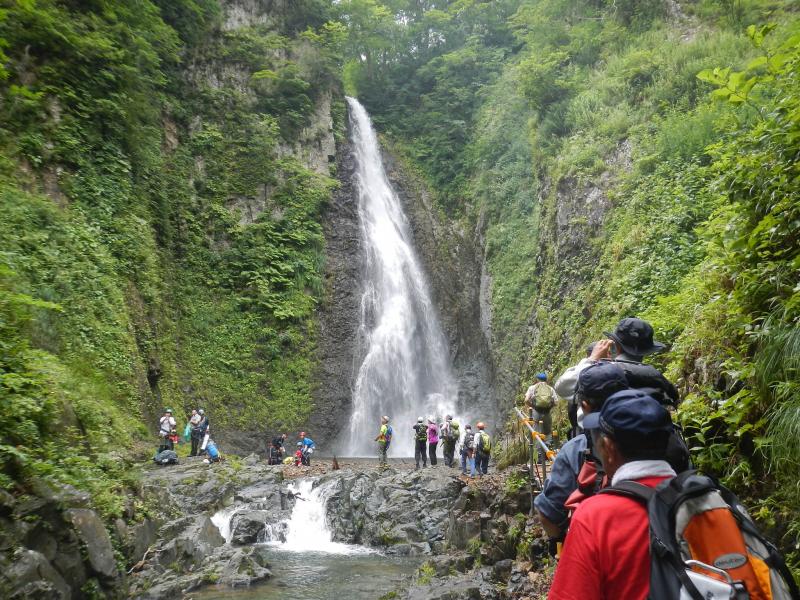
(474, 447)
(276, 454)
(624, 445)
(197, 431)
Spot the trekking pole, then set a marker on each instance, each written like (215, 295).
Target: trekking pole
(532, 449)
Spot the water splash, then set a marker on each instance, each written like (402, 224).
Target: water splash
(224, 518)
(406, 370)
(307, 529)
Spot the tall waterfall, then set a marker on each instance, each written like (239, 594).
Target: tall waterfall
(405, 371)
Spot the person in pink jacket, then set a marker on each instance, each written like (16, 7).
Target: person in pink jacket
(433, 439)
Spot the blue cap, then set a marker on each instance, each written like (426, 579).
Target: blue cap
(601, 380)
(541, 376)
(630, 412)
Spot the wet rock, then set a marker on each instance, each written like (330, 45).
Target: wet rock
(248, 526)
(192, 544)
(95, 542)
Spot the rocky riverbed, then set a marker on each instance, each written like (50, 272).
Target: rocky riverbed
(211, 528)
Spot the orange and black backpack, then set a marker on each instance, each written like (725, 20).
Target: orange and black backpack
(705, 546)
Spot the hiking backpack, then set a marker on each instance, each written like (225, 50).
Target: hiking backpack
(453, 432)
(388, 435)
(543, 397)
(484, 443)
(166, 457)
(705, 546)
(421, 432)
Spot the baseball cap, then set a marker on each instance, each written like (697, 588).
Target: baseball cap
(630, 413)
(599, 381)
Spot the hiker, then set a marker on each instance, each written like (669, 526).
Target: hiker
(433, 439)
(165, 426)
(203, 432)
(468, 451)
(576, 473)
(595, 384)
(213, 453)
(308, 447)
(451, 431)
(627, 345)
(420, 439)
(298, 455)
(483, 450)
(542, 398)
(607, 549)
(384, 439)
(276, 450)
(194, 432)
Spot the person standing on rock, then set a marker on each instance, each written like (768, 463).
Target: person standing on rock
(194, 432)
(483, 450)
(541, 397)
(450, 435)
(384, 438)
(420, 440)
(468, 451)
(203, 431)
(165, 426)
(433, 439)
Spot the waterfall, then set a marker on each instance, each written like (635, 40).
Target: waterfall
(405, 371)
(223, 519)
(307, 529)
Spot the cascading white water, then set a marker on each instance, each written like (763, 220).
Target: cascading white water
(406, 370)
(223, 519)
(307, 529)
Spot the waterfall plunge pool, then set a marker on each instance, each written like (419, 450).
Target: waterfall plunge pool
(323, 576)
(308, 564)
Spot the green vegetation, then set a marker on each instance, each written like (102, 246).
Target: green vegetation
(161, 243)
(620, 158)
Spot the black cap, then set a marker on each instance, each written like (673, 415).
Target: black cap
(599, 381)
(635, 337)
(630, 412)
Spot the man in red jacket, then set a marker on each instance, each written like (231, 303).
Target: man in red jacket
(606, 553)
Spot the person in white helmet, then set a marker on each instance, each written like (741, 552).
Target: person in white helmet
(420, 440)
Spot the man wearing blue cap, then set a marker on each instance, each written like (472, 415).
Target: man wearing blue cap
(607, 549)
(595, 384)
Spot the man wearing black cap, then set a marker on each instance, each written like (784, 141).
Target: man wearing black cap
(607, 550)
(628, 344)
(595, 383)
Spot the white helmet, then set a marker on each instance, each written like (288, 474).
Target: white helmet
(420, 419)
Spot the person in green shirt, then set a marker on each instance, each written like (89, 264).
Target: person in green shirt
(384, 438)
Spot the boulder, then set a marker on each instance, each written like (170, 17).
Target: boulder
(95, 541)
(31, 576)
(192, 544)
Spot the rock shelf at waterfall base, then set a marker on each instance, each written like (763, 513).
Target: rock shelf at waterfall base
(426, 534)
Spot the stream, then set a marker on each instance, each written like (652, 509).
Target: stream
(307, 563)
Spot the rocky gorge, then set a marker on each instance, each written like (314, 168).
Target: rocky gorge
(222, 527)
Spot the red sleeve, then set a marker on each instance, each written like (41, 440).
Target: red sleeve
(577, 574)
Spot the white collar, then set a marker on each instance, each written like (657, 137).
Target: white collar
(639, 469)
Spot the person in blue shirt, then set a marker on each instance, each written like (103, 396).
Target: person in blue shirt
(308, 447)
(595, 384)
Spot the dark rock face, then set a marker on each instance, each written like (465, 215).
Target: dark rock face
(55, 546)
(339, 311)
(453, 265)
(406, 512)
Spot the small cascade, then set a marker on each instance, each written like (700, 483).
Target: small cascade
(224, 518)
(307, 529)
